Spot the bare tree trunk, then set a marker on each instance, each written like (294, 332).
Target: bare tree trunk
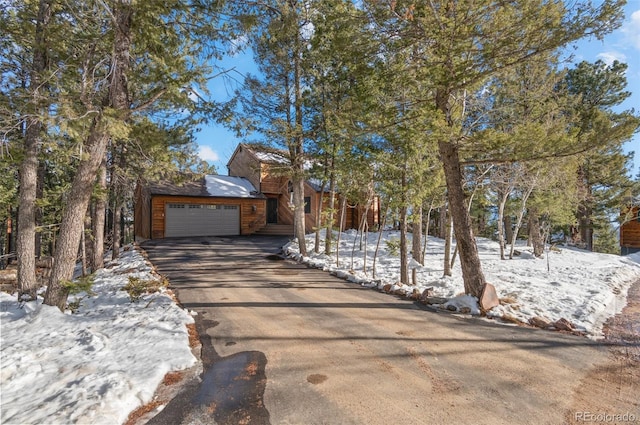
(523, 208)
(28, 173)
(474, 280)
(503, 201)
(380, 230)
(95, 149)
(426, 233)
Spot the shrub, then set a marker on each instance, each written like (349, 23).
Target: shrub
(137, 287)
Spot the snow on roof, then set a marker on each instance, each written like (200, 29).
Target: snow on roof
(230, 187)
(270, 157)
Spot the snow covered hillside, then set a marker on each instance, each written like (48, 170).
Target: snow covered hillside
(582, 287)
(96, 365)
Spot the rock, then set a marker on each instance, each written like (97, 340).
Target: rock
(563, 325)
(428, 292)
(465, 310)
(489, 298)
(400, 291)
(415, 294)
(434, 300)
(452, 307)
(387, 288)
(539, 322)
(516, 252)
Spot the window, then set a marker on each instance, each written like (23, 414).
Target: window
(307, 204)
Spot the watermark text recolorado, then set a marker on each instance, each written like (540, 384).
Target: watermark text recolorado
(599, 417)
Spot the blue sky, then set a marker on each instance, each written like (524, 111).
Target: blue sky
(218, 143)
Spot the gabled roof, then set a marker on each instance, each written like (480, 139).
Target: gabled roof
(213, 186)
(262, 153)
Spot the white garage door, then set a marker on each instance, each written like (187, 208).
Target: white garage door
(201, 220)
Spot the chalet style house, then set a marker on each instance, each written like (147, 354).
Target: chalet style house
(255, 197)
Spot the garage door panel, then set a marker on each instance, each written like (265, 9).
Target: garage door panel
(202, 220)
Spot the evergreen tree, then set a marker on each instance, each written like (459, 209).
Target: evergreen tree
(462, 45)
(603, 176)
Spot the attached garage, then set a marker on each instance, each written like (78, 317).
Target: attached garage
(209, 206)
(201, 220)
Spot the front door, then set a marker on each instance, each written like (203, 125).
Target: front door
(272, 210)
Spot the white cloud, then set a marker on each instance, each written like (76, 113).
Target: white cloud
(631, 29)
(208, 154)
(609, 57)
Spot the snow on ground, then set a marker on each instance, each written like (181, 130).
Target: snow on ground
(94, 366)
(582, 287)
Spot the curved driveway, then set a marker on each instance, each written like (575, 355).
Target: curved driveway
(286, 344)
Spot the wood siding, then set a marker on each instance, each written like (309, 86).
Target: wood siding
(245, 164)
(630, 232)
(250, 220)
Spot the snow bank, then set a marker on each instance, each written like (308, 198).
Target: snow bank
(582, 287)
(94, 366)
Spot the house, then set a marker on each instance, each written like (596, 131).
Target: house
(630, 229)
(266, 168)
(256, 196)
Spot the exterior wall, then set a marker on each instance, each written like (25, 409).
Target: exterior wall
(270, 183)
(250, 220)
(245, 164)
(630, 233)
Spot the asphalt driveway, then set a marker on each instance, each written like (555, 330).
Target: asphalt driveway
(286, 344)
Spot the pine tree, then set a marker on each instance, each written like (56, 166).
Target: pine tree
(603, 175)
(463, 45)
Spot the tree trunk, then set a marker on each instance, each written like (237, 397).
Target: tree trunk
(447, 245)
(508, 228)
(516, 230)
(426, 233)
(73, 218)
(298, 210)
(416, 228)
(343, 212)
(94, 152)
(404, 270)
(332, 205)
(442, 222)
(380, 230)
(535, 234)
(500, 221)
(117, 235)
(474, 280)
(99, 218)
(28, 173)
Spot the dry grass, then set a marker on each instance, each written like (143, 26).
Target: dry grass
(141, 411)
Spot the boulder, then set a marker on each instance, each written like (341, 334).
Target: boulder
(489, 298)
(563, 325)
(539, 322)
